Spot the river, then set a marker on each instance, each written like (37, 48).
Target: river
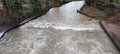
(60, 31)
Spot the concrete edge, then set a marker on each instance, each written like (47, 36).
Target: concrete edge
(16, 26)
(104, 29)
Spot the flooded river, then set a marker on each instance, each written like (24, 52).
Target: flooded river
(61, 31)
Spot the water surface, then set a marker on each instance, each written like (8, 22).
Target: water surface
(61, 31)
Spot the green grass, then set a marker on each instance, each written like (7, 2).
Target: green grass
(119, 14)
(101, 14)
(5, 20)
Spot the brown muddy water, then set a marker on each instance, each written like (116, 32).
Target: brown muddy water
(61, 31)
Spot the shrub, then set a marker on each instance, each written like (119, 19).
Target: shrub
(36, 6)
(101, 14)
(15, 8)
(6, 20)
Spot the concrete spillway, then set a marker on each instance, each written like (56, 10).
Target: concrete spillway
(61, 31)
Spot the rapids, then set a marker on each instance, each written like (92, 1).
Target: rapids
(60, 31)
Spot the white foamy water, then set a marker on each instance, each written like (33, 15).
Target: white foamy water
(61, 31)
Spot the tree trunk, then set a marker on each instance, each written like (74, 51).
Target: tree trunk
(57, 3)
(91, 3)
(5, 8)
(111, 1)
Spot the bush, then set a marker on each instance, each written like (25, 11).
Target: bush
(15, 9)
(6, 20)
(36, 6)
(102, 14)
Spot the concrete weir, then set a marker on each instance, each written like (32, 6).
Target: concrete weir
(60, 31)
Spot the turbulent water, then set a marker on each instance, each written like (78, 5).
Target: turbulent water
(61, 31)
